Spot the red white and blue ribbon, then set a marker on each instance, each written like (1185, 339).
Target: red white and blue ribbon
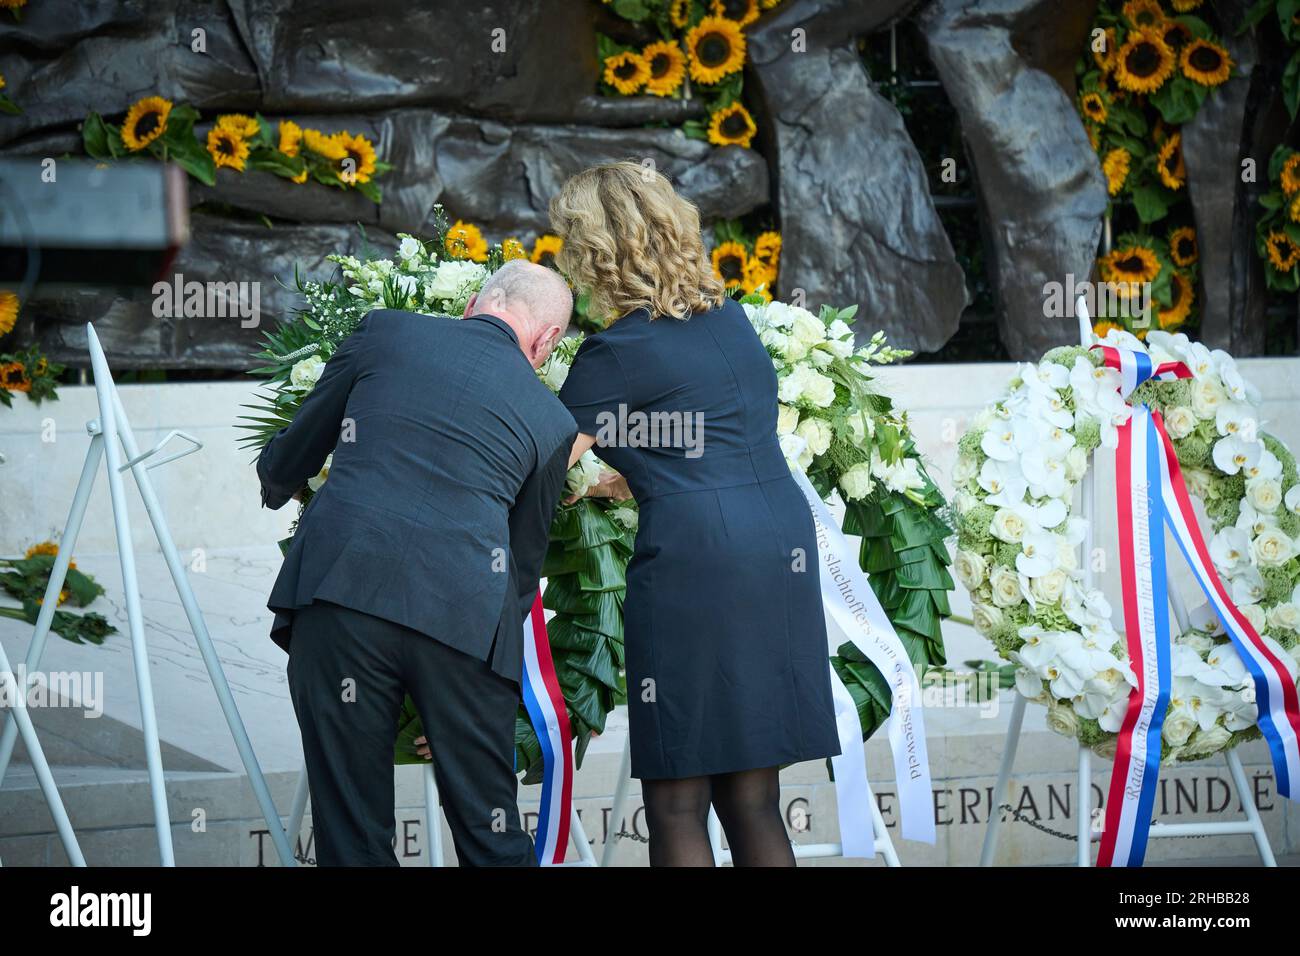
(545, 705)
(1150, 495)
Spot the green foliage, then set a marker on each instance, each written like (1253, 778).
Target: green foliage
(25, 580)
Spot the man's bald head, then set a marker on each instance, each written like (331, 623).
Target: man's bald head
(533, 300)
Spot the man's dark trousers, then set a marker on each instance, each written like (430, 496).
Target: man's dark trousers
(348, 674)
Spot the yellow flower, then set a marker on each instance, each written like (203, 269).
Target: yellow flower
(290, 137)
(145, 122)
(767, 249)
(2, 81)
(8, 312)
(729, 261)
(1094, 136)
(1291, 175)
(1283, 254)
(1093, 106)
(13, 378)
(1182, 246)
(465, 241)
(13, 4)
(757, 277)
(667, 65)
(1174, 33)
(1186, 6)
(245, 126)
(1293, 210)
(1175, 314)
(1100, 329)
(1130, 266)
(227, 147)
(732, 126)
(1144, 62)
(1206, 63)
(1144, 13)
(43, 547)
(357, 164)
(679, 13)
(300, 178)
(1116, 167)
(1173, 173)
(317, 142)
(546, 248)
(716, 48)
(626, 72)
(512, 248)
(1105, 57)
(740, 12)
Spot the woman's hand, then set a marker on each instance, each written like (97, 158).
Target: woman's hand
(611, 485)
(422, 747)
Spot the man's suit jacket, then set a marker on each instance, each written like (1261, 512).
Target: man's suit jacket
(449, 460)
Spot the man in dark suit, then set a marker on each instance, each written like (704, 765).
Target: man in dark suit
(415, 564)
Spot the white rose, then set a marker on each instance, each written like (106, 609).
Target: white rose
(1271, 548)
(807, 384)
(1255, 614)
(1264, 494)
(806, 328)
(1006, 587)
(1179, 726)
(793, 448)
(816, 433)
(555, 375)
(1076, 463)
(1007, 526)
(775, 339)
(1180, 421)
(1209, 741)
(584, 474)
(1285, 615)
(1061, 719)
(1201, 643)
(970, 568)
(856, 482)
(1207, 396)
(453, 277)
(1048, 587)
(986, 618)
(305, 374)
(787, 419)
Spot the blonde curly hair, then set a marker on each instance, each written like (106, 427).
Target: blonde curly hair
(630, 242)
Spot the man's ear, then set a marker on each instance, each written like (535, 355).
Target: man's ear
(544, 343)
(469, 306)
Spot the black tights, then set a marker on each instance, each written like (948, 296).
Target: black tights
(748, 805)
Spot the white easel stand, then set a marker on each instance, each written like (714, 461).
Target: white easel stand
(112, 427)
(433, 823)
(884, 846)
(1086, 832)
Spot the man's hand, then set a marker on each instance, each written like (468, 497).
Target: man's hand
(422, 748)
(297, 495)
(611, 485)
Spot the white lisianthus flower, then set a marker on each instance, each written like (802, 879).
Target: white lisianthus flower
(410, 247)
(817, 433)
(986, 618)
(793, 448)
(902, 476)
(1008, 526)
(315, 482)
(1048, 587)
(584, 475)
(808, 385)
(856, 483)
(807, 329)
(1285, 616)
(1264, 494)
(1207, 396)
(1180, 421)
(1061, 719)
(305, 374)
(1272, 548)
(775, 339)
(454, 276)
(1005, 584)
(787, 419)
(970, 568)
(779, 314)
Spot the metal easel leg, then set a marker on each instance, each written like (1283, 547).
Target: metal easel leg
(1083, 786)
(1247, 799)
(884, 843)
(620, 803)
(1000, 788)
(432, 820)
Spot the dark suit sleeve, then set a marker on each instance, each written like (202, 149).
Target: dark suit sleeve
(298, 451)
(530, 520)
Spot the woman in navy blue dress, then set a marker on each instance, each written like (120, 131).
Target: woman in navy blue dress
(727, 668)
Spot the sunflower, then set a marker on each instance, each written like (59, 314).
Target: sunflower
(716, 48)
(145, 122)
(757, 277)
(740, 12)
(1206, 63)
(42, 367)
(8, 312)
(1182, 246)
(1175, 314)
(1144, 13)
(13, 4)
(43, 548)
(732, 125)
(1105, 57)
(1175, 33)
(465, 241)
(245, 126)
(1185, 6)
(729, 261)
(227, 147)
(545, 249)
(1094, 136)
(627, 72)
(13, 378)
(767, 249)
(1131, 266)
(1293, 210)
(1283, 253)
(1100, 329)
(1173, 172)
(667, 65)
(1291, 175)
(361, 152)
(1144, 62)
(317, 142)
(680, 13)
(1093, 106)
(512, 248)
(290, 137)
(1116, 167)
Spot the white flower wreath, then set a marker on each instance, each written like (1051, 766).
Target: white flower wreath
(1018, 540)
